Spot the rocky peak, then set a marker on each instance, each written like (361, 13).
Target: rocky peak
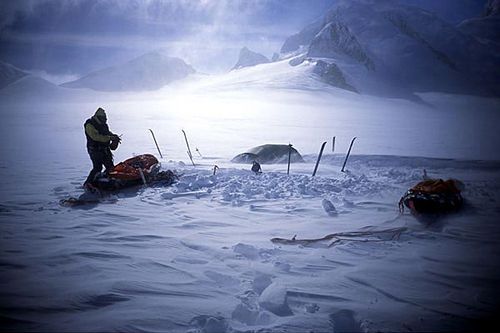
(249, 58)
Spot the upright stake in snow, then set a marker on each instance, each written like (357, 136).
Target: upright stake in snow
(333, 145)
(189, 149)
(348, 153)
(319, 158)
(289, 158)
(156, 143)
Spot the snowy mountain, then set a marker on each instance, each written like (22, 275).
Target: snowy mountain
(19, 87)
(32, 84)
(34, 89)
(249, 58)
(384, 48)
(147, 72)
(9, 74)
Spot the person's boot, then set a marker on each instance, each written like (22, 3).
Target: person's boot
(87, 186)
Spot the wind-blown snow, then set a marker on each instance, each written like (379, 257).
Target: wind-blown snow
(198, 257)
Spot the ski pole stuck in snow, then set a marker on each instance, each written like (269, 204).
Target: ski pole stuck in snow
(215, 169)
(189, 149)
(156, 143)
(319, 158)
(348, 153)
(289, 158)
(333, 145)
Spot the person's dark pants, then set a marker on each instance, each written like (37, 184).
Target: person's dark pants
(99, 157)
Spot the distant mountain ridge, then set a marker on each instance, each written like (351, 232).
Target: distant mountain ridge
(9, 74)
(150, 71)
(18, 86)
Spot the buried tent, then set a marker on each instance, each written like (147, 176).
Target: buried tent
(269, 153)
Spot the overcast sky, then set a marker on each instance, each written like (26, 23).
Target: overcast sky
(73, 37)
(64, 35)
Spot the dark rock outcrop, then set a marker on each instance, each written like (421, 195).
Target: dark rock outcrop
(331, 74)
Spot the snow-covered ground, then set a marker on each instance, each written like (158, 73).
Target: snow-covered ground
(198, 256)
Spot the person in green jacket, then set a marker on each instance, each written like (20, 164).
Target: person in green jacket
(99, 138)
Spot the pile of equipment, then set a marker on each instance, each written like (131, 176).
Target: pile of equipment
(433, 196)
(139, 170)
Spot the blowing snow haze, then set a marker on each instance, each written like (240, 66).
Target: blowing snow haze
(78, 37)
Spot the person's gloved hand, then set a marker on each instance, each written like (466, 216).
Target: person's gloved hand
(115, 141)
